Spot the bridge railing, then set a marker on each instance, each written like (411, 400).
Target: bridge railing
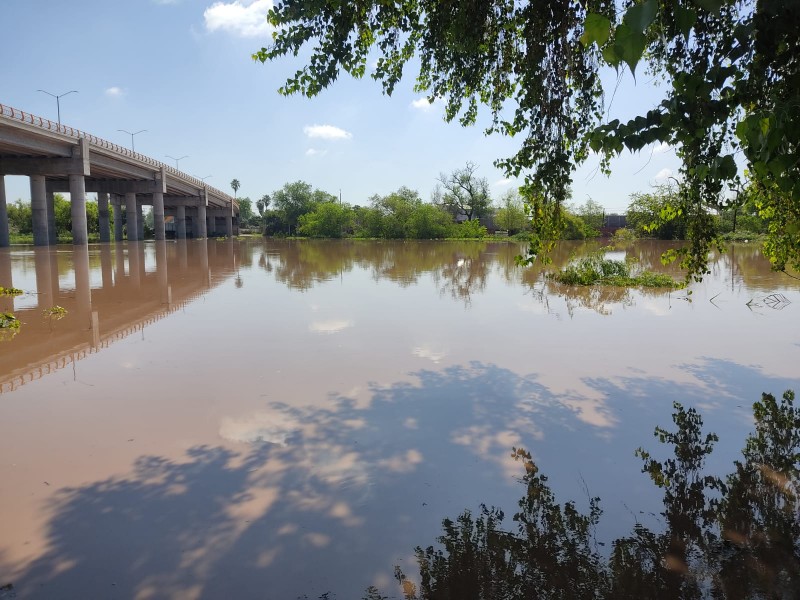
(47, 124)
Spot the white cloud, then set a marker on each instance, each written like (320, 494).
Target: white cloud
(503, 182)
(329, 327)
(663, 174)
(114, 92)
(661, 148)
(326, 132)
(425, 351)
(240, 17)
(422, 104)
(315, 152)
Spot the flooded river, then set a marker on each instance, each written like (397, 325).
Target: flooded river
(282, 419)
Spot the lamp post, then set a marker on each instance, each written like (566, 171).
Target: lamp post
(177, 160)
(133, 148)
(203, 179)
(58, 102)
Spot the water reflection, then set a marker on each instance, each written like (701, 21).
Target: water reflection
(126, 298)
(327, 491)
(460, 269)
(302, 433)
(731, 537)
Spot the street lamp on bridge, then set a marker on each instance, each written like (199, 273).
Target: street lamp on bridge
(177, 160)
(133, 148)
(58, 102)
(203, 179)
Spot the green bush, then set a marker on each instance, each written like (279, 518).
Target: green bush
(597, 270)
(468, 230)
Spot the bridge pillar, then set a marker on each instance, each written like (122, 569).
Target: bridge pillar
(118, 220)
(77, 198)
(158, 215)
(140, 220)
(106, 268)
(102, 210)
(201, 225)
(45, 298)
(52, 234)
(130, 210)
(211, 222)
(229, 221)
(39, 210)
(4, 237)
(180, 222)
(83, 290)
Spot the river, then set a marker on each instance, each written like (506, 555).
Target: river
(274, 419)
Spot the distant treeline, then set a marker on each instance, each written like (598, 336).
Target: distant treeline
(297, 209)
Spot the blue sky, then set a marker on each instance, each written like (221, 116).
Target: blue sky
(181, 69)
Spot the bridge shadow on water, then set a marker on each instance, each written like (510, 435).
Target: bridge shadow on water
(327, 500)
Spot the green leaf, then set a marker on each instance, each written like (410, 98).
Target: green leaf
(712, 6)
(639, 16)
(685, 19)
(727, 167)
(597, 28)
(629, 45)
(610, 56)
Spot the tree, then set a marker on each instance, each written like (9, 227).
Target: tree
(235, 185)
(262, 204)
(328, 219)
(245, 211)
(655, 214)
(593, 215)
(510, 214)
(394, 212)
(465, 193)
(296, 199)
(731, 85)
(20, 217)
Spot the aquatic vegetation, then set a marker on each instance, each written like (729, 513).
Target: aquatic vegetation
(55, 312)
(597, 270)
(9, 326)
(12, 291)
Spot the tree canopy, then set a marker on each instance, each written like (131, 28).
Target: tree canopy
(730, 66)
(465, 193)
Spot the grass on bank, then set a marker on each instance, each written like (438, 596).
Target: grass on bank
(597, 270)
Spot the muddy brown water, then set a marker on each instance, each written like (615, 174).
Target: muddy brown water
(273, 419)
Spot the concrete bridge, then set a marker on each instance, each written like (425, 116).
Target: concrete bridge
(58, 158)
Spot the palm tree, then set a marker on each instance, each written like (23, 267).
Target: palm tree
(235, 185)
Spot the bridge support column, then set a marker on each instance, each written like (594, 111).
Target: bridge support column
(102, 210)
(52, 234)
(6, 302)
(130, 211)
(158, 215)
(229, 221)
(4, 237)
(39, 210)
(83, 291)
(180, 222)
(211, 222)
(201, 226)
(140, 220)
(77, 198)
(45, 298)
(118, 221)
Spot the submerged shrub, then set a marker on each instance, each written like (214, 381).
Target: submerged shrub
(597, 270)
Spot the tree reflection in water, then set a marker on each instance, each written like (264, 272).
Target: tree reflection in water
(737, 537)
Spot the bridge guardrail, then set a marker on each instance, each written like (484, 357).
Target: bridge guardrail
(47, 124)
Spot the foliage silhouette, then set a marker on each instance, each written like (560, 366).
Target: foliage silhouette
(737, 537)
